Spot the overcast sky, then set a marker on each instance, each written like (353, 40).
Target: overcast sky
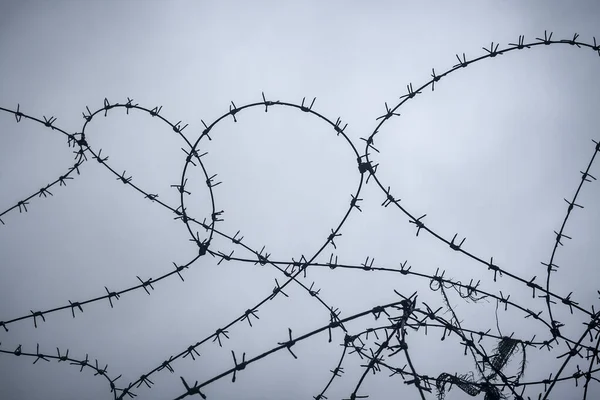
(490, 155)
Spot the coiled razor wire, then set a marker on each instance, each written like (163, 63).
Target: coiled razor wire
(403, 315)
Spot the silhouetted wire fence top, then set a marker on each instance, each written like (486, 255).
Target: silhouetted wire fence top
(384, 346)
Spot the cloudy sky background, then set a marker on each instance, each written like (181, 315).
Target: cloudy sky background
(489, 155)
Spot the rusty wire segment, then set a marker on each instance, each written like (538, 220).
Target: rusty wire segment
(394, 322)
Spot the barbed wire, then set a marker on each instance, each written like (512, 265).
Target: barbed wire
(390, 348)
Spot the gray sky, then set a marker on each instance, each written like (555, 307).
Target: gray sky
(490, 155)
